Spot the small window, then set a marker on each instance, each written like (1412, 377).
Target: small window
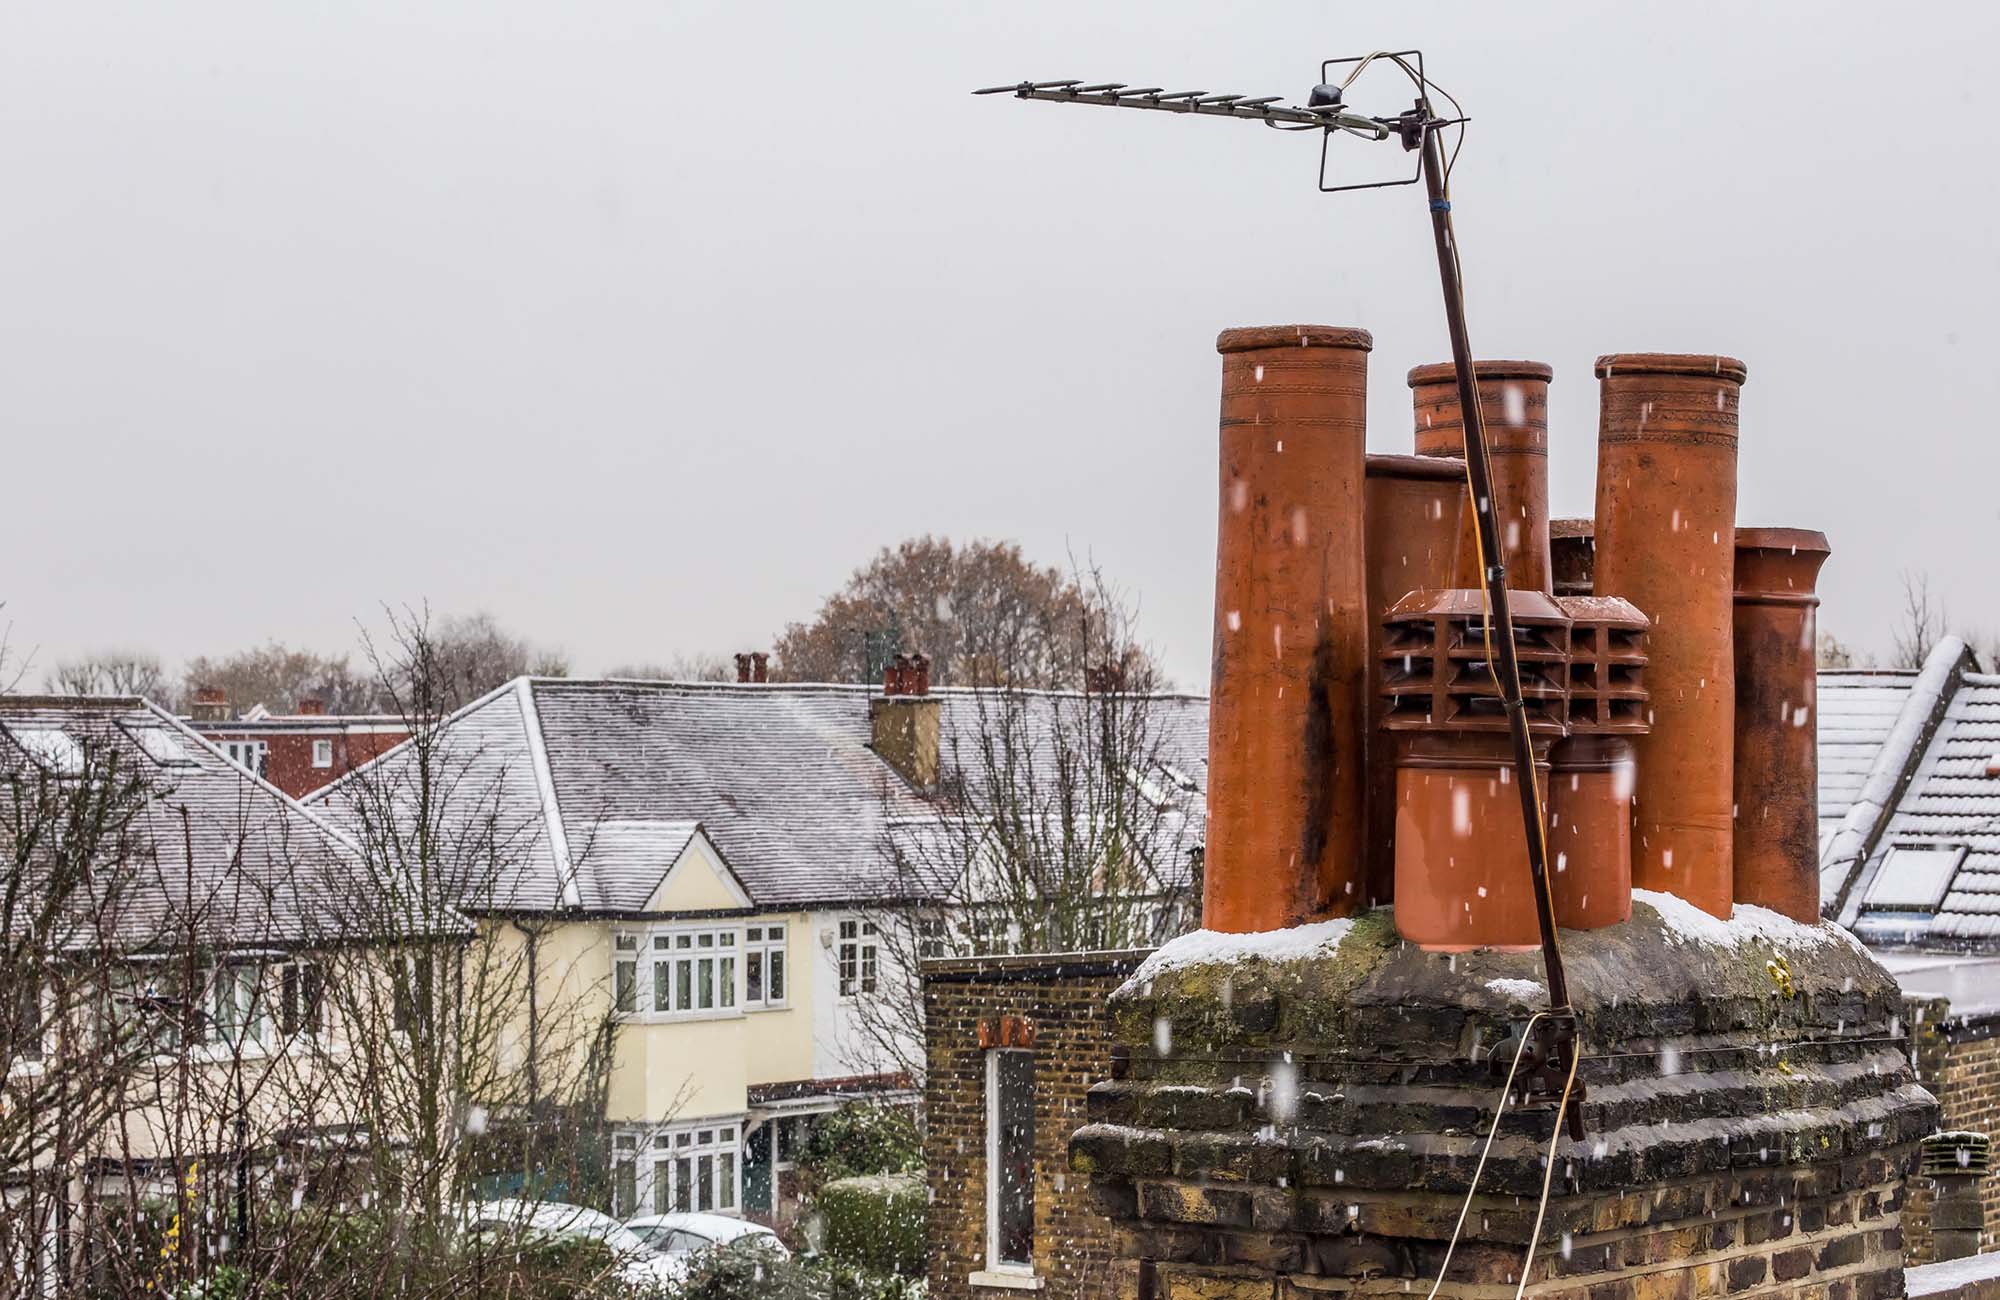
(764, 966)
(250, 755)
(301, 995)
(1010, 1159)
(237, 1010)
(625, 973)
(1913, 878)
(858, 958)
(322, 753)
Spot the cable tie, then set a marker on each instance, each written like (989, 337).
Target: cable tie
(1440, 205)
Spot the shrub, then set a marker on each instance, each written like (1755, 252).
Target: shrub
(862, 1139)
(874, 1223)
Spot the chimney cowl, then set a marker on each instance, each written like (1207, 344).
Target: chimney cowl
(1254, 337)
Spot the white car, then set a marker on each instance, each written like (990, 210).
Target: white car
(640, 1266)
(680, 1237)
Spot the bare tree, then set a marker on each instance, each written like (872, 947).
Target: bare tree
(1061, 821)
(471, 654)
(984, 614)
(1924, 622)
(701, 666)
(1832, 652)
(113, 672)
(278, 677)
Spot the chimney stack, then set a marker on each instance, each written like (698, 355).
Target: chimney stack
(1412, 518)
(1514, 399)
(904, 719)
(760, 667)
(210, 704)
(1776, 838)
(312, 706)
(1288, 699)
(1666, 540)
(743, 670)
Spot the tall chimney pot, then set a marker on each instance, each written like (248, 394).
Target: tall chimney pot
(1412, 513)
(1288, 701)
(1776, 842)
(1514, 399)
(743, 670)
(1666, 529)
(760, 666)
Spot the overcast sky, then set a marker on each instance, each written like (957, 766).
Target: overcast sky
(640, 324)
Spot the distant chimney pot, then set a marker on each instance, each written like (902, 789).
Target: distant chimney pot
(744, 667)
(919, 680)
(312, 707)
(211, 704)
(760, 666)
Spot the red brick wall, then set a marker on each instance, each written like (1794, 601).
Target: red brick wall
(288, 760)
(1960, 1064)
(1062, 1002)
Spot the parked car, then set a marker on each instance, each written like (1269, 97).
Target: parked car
(640, 1265)
(680, 1237)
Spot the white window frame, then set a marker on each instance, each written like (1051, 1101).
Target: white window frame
(1003, 1272)
(237, 1006)
(628, 949)
(858, 959)
(670, 1165)
(712, 951)
(765, 950)
(322, 753)
(253, 756)
(308, 977)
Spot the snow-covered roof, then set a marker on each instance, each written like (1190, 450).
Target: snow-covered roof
(210, 853)
(1913, 861)
(1874, 730)
(781, 778)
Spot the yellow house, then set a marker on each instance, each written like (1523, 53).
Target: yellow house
(704, 864)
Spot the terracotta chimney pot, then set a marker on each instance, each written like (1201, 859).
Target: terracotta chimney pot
(1666, 524)
(1514, 398)
(1572, 555)
(919, 680)
(312, 707)
(760, 666)
(1412, 512)
(743, 670)
(211, 704)
(1777, 719)
(1289, 700)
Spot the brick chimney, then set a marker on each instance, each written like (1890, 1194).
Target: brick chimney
(760, 667)
(311, 706)
(903, 720)
(211, 704)
(743, 669)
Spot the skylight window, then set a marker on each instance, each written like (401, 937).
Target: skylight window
(53, 750)
(1913, 879)
(160, 744)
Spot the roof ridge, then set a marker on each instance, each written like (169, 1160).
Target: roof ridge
(545, 785)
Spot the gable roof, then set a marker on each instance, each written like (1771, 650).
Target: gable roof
(1926, 788)
(781, 778)
(212, 854)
